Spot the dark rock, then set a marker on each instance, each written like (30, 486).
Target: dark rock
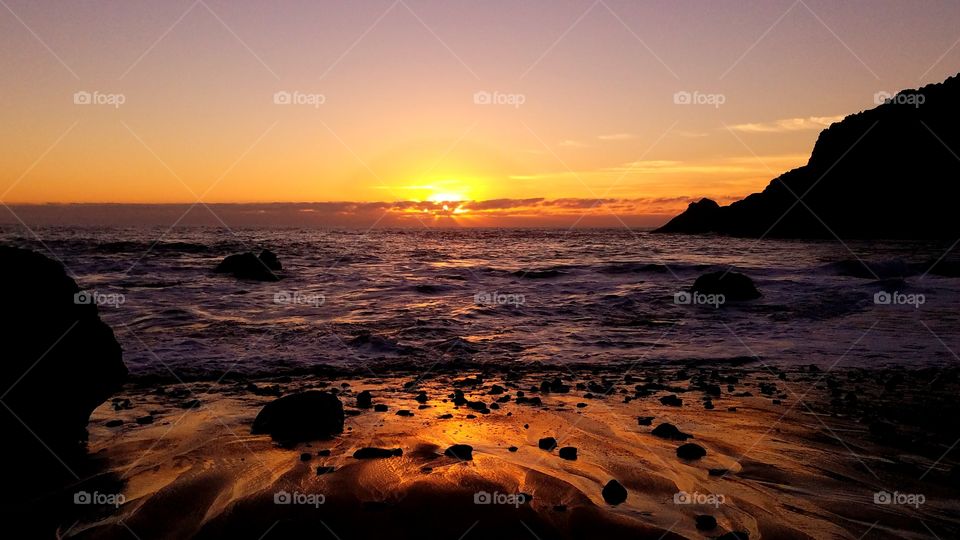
(324, 452)
(670, 431)
(691, 451)
(672, 401)
(718, 472)
(705, 522)
(377, 453)
(380, 407)
(324, 469)
(248, 266)
(854, 168)
(145, 420)
(270, 259)
(568, 452)
(644, 420)
(732, 285)
(614, 493)
(59, 363)
(513, 449)
(301, 417)
(547, 443)
(113, 423)
(364, 399)
(463, 452)
(421, 397)
(404, 412)
(536, 401)
(306, 456)
(446, 416)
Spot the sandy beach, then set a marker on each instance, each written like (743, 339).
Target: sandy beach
(784, 458)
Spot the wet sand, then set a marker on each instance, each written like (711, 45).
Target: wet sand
(789, 454)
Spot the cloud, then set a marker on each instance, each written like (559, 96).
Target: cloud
(617, 137)
(788, 124)
(570, 143)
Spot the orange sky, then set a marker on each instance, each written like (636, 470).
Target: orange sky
(423, 100)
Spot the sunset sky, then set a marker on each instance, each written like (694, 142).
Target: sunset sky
(393, 97)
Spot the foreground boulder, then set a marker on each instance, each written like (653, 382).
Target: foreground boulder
(250, 266)
(60, 362)
(888, 172)
(614, 493)
(302, 417)
(732, 285)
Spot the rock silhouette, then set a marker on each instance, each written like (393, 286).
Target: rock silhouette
(306, 416)
(888, 172)
(732, 285)
(250, 266)
(60, 362)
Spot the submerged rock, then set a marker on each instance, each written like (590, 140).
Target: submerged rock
(301, 417)
(250, 266)
(732, 285)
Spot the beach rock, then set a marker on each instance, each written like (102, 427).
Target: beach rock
(380, 407)
(364, 400)
(671, 401)
(644, 420)
(691, 451)
(301, 417)
(547, 443)
(325, 469)
(250, 266)
(46, 317)
(734, 535)
(145, 420)
(404, 412)
(614, 493)
(421, 397)
(113, 423)
(732, 285)
(568, 452)
(306, 456)
(463, 452)
(377, 453)
(670, 431)
(705, 522)
(512, 449)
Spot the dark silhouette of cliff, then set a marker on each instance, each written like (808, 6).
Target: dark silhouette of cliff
(60, 362)
(889, 172)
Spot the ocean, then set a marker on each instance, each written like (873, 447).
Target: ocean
(377, 301)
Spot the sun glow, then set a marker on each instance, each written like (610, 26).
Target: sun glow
(446, 197)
